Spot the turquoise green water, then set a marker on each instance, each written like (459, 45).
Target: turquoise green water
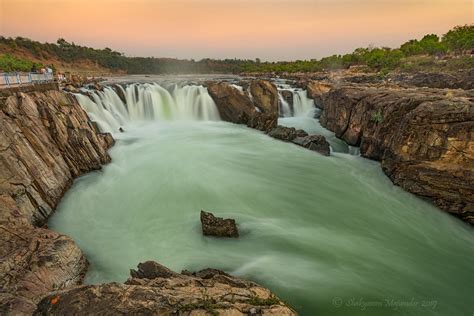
(329, 235)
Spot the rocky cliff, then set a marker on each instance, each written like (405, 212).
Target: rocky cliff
(424, 138)
(46, 141)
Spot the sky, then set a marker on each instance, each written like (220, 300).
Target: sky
(268, 29)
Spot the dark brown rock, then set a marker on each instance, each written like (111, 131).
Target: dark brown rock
(217, 226)
(237, 107)
(151, 270)
(206, 292)
(231, 102)
(316, 143)
(286, 133)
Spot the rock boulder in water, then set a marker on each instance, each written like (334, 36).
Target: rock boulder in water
(206, 292)
(286, 133)
(217, 226)
(235, 106)
(316, 143)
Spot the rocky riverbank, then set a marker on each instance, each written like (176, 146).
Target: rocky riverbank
(424, 138)
(46, 141)
(156, 290)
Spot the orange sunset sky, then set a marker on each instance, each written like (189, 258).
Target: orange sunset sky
(268, 29)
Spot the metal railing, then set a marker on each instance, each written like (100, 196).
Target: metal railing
(19, 78)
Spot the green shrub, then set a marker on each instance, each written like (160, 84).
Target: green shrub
(376, 117)
(10, 63)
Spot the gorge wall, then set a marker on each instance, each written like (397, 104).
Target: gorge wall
(46, 141)
(423, 137)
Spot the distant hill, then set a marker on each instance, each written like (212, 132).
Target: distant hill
(449, 53)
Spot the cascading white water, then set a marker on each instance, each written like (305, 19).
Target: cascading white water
(302, 105)
(148, 102)
(285, 109)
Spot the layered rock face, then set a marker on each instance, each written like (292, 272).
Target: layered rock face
(257, 109)
(424, 138)
(46, 141)
(155, 289)
(456, 80)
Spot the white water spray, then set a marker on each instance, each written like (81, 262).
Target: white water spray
(148, 102)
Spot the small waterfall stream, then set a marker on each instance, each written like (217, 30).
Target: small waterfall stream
(300, 106)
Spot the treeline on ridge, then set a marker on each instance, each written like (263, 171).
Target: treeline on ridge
(411, 55)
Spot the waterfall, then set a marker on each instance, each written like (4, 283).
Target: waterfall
(301, 105)
(285, 109)
(147, 102)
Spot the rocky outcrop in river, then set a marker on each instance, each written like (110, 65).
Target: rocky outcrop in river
(218, 226)
(299, 137)
(257, 109)
(155, 289)
(424, 138)
(46, 141)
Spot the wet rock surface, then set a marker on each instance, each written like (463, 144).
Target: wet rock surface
(286, 133)
(46, 141)
(206, 292)
(218, 226)
(299, 137)
(316, 143)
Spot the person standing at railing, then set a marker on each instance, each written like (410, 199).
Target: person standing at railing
(33, 69)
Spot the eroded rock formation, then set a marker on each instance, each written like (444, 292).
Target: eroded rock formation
(155, 289)
(265, 95)
(259, 110)
(424, 138)
(46, 141)
(218, 226)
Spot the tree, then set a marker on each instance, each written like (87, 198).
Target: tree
(459, 39)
